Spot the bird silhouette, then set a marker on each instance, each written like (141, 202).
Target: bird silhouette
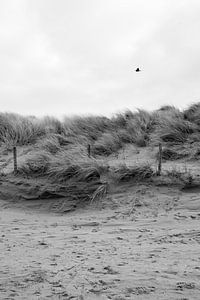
(138, 70)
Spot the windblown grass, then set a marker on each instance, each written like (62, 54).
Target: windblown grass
(89, 127)
(80, 175)
(168, 124)
(107, 144)
(18, 130)
(192, 113)
(62, 166)
(125, 128)
(52, 125)
(138, 172)
(36, 164)
(50, 144)
(100, 192)
(172, 154)
(54, 142)
(173, 130)
(78, 171)
(57, 150)
(136, 127)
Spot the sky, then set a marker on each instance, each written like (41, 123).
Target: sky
(66, 57)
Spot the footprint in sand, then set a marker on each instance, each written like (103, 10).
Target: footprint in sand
(184, 285)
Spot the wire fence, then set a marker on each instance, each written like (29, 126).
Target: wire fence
(132, 156)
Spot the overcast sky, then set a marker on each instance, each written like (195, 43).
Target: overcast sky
(78, 56)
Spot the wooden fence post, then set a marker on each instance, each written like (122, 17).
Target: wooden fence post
(159, 160)
(89, 150)
(15, 159)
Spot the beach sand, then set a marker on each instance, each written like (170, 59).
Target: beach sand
(141, 242)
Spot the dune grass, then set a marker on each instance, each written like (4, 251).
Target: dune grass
(123, 173)
(80, 176)
(58, 149)
(18, 130)
(107, 144)
(62, 166)
(106, 136)
(36, 164)
(173, 154)
(192, 113)
(89, 127)
(173, 130)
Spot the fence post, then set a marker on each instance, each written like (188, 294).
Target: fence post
(89, 150)
(159, 160)
(15, 159)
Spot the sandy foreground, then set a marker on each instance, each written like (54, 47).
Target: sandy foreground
(142, 242)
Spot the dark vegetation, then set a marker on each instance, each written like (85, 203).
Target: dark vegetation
(138, 172)
(57, 149)
(168, 125)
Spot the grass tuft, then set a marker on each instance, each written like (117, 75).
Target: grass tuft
(171, 154)
(138, 172)
(100, 192)
(36, 165)
(107, 144)
(192, 113)
(172, 130)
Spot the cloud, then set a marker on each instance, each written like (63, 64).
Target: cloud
(79, 56)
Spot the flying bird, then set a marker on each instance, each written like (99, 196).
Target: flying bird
(138, 70)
